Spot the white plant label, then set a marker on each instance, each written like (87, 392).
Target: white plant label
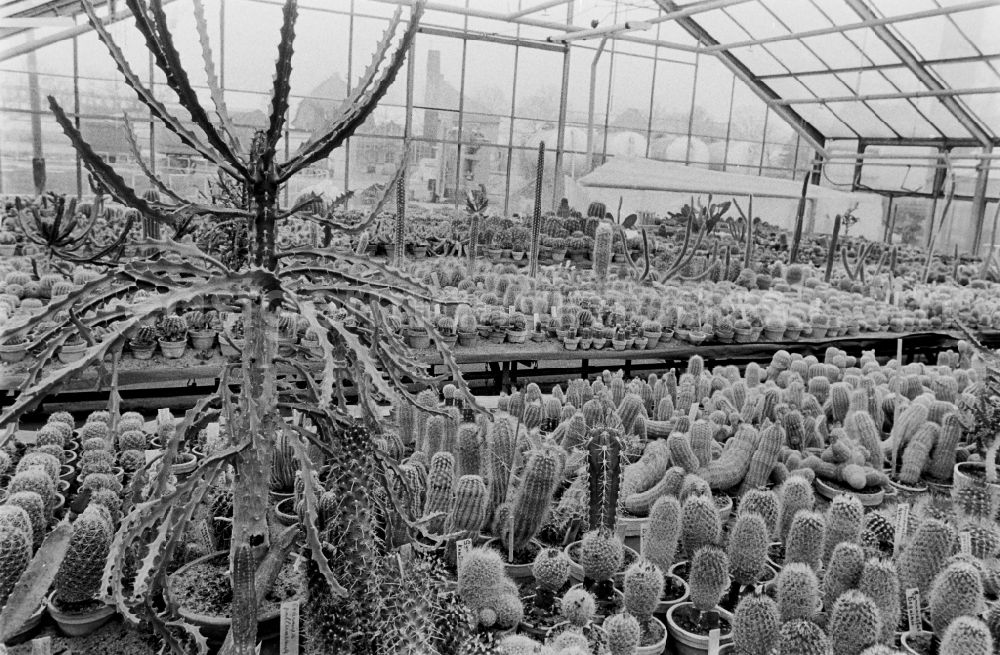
(643, 536)
(965, 543)
(163, 415)
(437, 309)
(510, 310)
(902, 524)
(620, 530)
(534, 319)
(913, 609)
(41, 646)
(289, 638)
(714, 640)
(462, 548)
(212, 431)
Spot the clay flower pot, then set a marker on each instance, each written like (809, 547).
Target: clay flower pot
(78, 624)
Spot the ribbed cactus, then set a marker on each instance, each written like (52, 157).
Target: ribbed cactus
(843, 571)
(762, 502)
(643, 589)
(918, 451)
(36, 480)
(772, 438)
(34, 507)
(802, 637)
(244, 612)
(470, 450)
(748, 542)
(957, 591)
(601, 259)
(844, 521)
(631, 410)
(551, 570)
(755, 626)
(804, 543)
(942, 460)
(536, 216)
(795, 494)
(967, 636)
(701, 437)
(440, 489)
(931, 545)
(399, 225)
(664, 532)
(860, 427)
(700, 524)
(855, 624)
(532, 415)
(15, 554)
(533, 500)
(681, 453)
(798, 592)
(471, 498)
(79, 576)
(880, 582)
(601, 554)
(709, 577)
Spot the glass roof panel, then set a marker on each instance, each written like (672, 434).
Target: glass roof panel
(904, 118)
(934, 38)
(968, 74)
(794, 55)
(904, 79)
(799, 16)
(873, 47)
(825, 121)
(758, 60)
(755, 19)
(987, 109)
(861, 119)
(938, 114)
(835, 50)
(789, 87)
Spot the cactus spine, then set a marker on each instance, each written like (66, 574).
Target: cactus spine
(755, 626)
(957, 591)
(469, 513)
(844, 521)
(844, 571)
(926, 553)
(709, 577)
(399, 231)
(804, 543)
(967, 636)
(15, 554)
(79, 576)
(531, 505)
(440, 489)
(664, 532)
(798, 592)
(701, 525)
(244, 620)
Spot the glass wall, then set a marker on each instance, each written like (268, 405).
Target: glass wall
(484, 94)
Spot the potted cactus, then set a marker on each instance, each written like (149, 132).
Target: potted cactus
(14, 349)
(72, 349)
(598, 558)
(74, 604)
(172, 334)
(8, 243)
(517, 328)
(551, 572)
(972, 477)
(488, 593)
(689, 624)
(466, 328)
(643, 590)
(203, 328)
(445, 326)
(652, 330)
(416, 335)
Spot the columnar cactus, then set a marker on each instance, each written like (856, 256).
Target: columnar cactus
(15, 554)
(880, 582)
(844, 571)
(244, 612)
(440, 489)
(469, 512)
(802, 637)
(844, 521)
(79, 576)
(918, 451)
(602, 251)
(664, 532)
(762, 502)
(709, 577)
(755, 625)
(700, 524)
(931, 545)
(681, 453)
(748, 542)
(533, 500)
(855, 623)
(623, 632)
(967, 636)
(957, 591)
(860, 426)
(470, 450)
(764, 457)
(804, 543)
(643, 589)
(798, 592)
(942, 461)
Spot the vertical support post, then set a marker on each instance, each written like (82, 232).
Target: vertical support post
(590, 103)
(510, 131)
(76, 113)
(350, 76)
(461, 112)
(35, 98)
(559, 186)
(979, 200)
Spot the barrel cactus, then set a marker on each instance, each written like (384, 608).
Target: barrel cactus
(79, 577)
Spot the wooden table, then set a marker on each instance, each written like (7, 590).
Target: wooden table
(505, 366)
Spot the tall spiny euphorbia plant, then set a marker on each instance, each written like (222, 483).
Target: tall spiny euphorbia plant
(325, 287)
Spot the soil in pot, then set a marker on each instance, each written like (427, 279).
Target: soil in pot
(921, 643)
(85, 607)
(526, 556)
(113, 638)
(540, 619)
(205, 588)
(652, 632)
(700, 623)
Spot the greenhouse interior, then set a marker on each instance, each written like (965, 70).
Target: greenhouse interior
(499, 327)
